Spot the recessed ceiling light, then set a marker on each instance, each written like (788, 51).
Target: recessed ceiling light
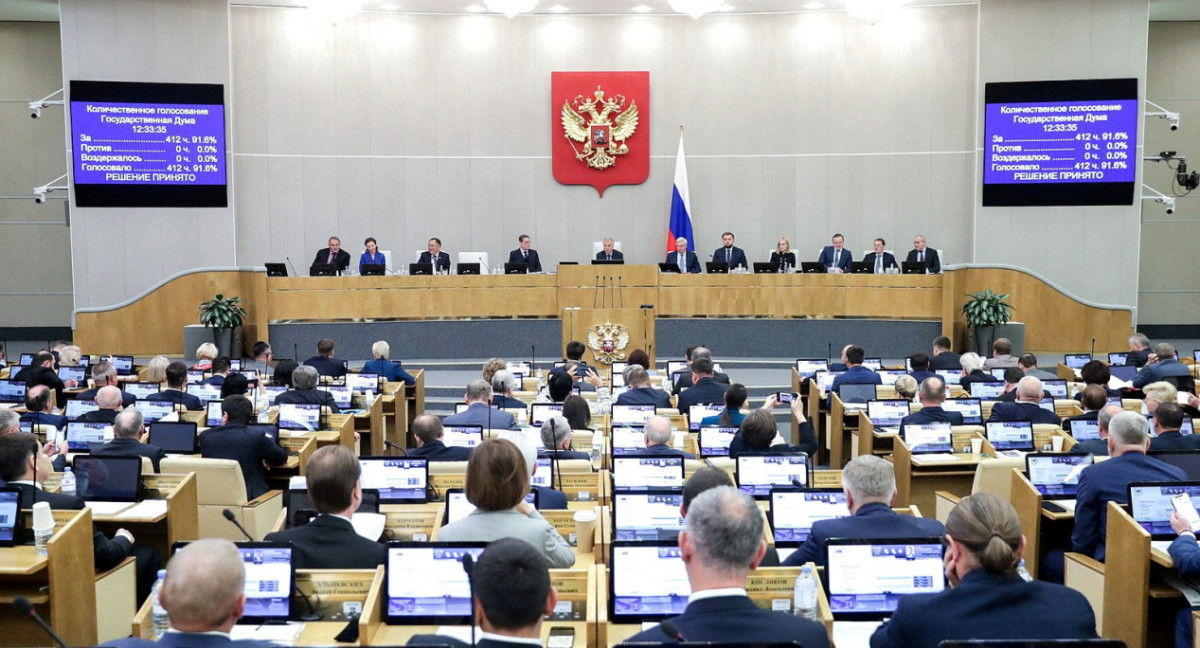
(558, 9)
(814, 5)
(641, 9)
(476, 9)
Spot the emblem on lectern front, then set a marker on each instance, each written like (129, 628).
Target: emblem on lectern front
(608, 342)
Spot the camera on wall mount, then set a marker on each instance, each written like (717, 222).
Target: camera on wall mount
(35, 107)
(1163, 113)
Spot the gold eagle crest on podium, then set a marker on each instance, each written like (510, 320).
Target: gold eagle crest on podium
(608, 342)
(602, 125)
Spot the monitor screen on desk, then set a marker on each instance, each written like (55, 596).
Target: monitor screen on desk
(987, 390)
(77, 408)
(970, 408)
(10, 515)
(462, 436)
(300, 416)
(851, 393)
(617, 373)
(205, 392)
(647, 581)
(271, 392)
(1057, 387)
(1056, 475)
(758, 474)
(867, 577)
(928, 438)
(140, 390)
(950, 376)
(301, 510)
(1047, 404)
(366, 383)
(890, 376)
(81, 436)
(123, 364)
(628, 440)
(714, 441)
(632, 415)
(152, 411)
(1186, 460)
(793, 512)
(544, 475)
(1119, 359)
(1084, 430)
(647, 471)
(541, 412)
(1125, 373)
(175, 438)
(1077, 360)
(426, 583)
(78, 374)
(1010, 435)
(107, 478)
(342, 395)
(1150, 505)
(399, 480)
(195, 376)
(647, 514)
(697, 413)
(887, 413)
(213, 414)
(269, 577)
(13, 391)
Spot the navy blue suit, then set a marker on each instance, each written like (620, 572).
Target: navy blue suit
(548, 498)
(508, 402)
(843, 262)
(390, 370)
(873, 520)
(920, 376)
(1016, 411)
(99, 416)
(945, 361)
(979, 375)
(436, 450)
(249, 449)
(179, 397)
(856, 375)
(1137, 358)
(661, 449)
(129, 447)
(217, 380)
(308, 397)
(482, 414)
(443, 260)
(1159, 370)
(189, 640)
(616, 256)
(705, 392)
(1093, 415)
(327, 366)
(127, 399)
(341, 260)
(1174, 441)
(889, 261)
(535, 264)
(734, 256)
(987, 605)
(42, 418)
(1186, 554)
(932, 263)
(933, 414)
(693, 262)
(1094, 446)
(330, 542)
(645, 396)
(1107, 482)
(737, 619)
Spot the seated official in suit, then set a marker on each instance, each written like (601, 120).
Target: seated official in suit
(1186, 554)
(986, 599)
(1104, 482)
(435, 257)
(1029, 364)
(220, 370)
(729, 254)
(1139, 350)
(333, 478)
(943, 358)
(1002, 356)
(324, 362)
(304, 390)
(387, 368)
(657, 432)
(261, 362)
(333, 255)
(1163, 365)
(1096, 372)
(783, 257)
(906, 387)
(497, 482)
(203, 594)
(127, 435)
(503, 386)
(705, 390)
(372, 255)
(108, 399)
(972, 371)
(231, 440)
(176, 383)
(427, 429)
(921, 253)
(1099, 446)
(920, 367)
(759, 435)
(1168, 419)
(523, 254)
(38, 409)
(548, 497)
(235, 385)
(556, 439)
(103, 375)
(855, 373)
(573, 351)
(639, 391)
(721, 542)
(686, 261)
(1092, 399)
(479, 411)
(705, 479)
(24, 466)
(1012, 378)
(685, 379)
(932, 394)
(42, 372)
(609, 253)
(836, 256)
(1025, 407)
(731, 416)
(879, 260)
(870, 486)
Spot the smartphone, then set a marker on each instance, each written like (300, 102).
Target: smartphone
(785, 398)
(561, 637)
(1186, 510)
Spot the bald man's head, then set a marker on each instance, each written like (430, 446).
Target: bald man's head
(109, 398)
(203, 588)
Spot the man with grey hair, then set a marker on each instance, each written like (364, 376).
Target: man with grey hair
(1026, 407)
(104, 375)
(556, 438)
(479, 411)
(1107, 481)
(721, 542)
(684, 259)
(109, 401)
(869, 483)
(658, 438)
(127, 435)
(1139, 350)
(10, 422)
(1099, 446)
(608, 253)
(304, 391)
(547, 496)
(685, 377)
(640, 392)
(503, 385)
(1163, 365)
(932, 395)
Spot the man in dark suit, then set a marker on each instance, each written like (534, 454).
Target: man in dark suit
(203, 594)
(525, 255)
(304, 383)
(38, 410)
(705, 391)
(103, 375)
(1099, 447)
(479, 412)
(1163, 365)
(920, 367)
(324, 362)
(1012, 376)
(836, 256)
(42, 372)
(1107, 481)
(923, 254)
(220, 370)
(932, 395)
(24, 466)
(250, 449)
(1025, 408)
(1186, 553)
(127, 434)
(690, 262)
(1092, 399)
(176, 382)
(109, 401)
(608, 253)
(427, 429)
(1139, 350)
(334, 255)
(640, 392)
(943, 358)
(556, 439)
(729, 254)
(329, 541)
(879, 260)
(435, 257)
(684, 381)
(721, 543)
(658, 438)
(1168, 418)
(870, 486)
(855, 374)
(503, 384)
(705, 479)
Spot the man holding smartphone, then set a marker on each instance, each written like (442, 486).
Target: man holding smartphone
(1186, 554)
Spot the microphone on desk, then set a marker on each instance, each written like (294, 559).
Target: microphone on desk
(671, 631)
(468, 565)
(233, 518)
(289, 260)
(1092, 354)
(25, 608)
(396, 446)
(797, 484)
(312, 615)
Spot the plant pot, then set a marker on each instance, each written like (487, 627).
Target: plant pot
(223, 338)
(981, 340)
(196, 334)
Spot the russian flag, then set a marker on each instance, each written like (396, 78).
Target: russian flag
(681, 205)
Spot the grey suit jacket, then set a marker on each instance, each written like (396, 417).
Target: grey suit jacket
(486, 526)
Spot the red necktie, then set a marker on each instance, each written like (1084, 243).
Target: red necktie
(921, 256)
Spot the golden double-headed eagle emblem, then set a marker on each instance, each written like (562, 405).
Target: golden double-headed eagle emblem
(608, 342)
(602, 125)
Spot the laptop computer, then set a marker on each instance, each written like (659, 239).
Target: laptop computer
(997, 372)
(950, 376)
(12, 391)
(1056, 387)
(912, 268)
(1056, 477)
(78, 374)
(1124, 373)
(194, 377)
(627, 439)
(10, 516)
(1010, 438)
(970, 408)
(367, 383)
(1084, 430)
(647, 581)
(852, 394)
(152, 411)
(1077, 360)
(633, 472)
(697, 413)
(300, 416)
(890, 376)
(812, 267)
(427, 584)
(1121, 358)
(373, 269)
(616, 373)
(459, 507)
(1186, 460)
(807, 367)
(987, 390)
(205, 392)
(175, 438)
(122, 363)
(141, 390)
(758, 474)
(276, 269)
(399, 480)
(301, 510)
(342, 395)
(714, 440)
(763, 267)
(269, 579)
(541, 412)
(1047, 404)
(631, 415)
(886, 414)
(716, 267)
(793, 512)
(77, 408)
(81, 436)
(107, 478)
(669, 268)
(647, 515)
(462, 436)
(866, 577)
(1150, 505)
(928, 438)
(544, 475)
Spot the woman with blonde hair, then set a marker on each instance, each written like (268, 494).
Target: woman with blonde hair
(156, 370)
(783, 257)
(69, 356)
(205, 354)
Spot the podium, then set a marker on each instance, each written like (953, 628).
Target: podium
(609, 334)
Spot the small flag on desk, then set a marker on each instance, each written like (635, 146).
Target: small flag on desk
(680, 225)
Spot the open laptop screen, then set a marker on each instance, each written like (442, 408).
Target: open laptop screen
(77, 408)
(123, 364)
(299, 416)
(987, 390)
(647, 582)
(462, 436)
(544, 476)
(1084, 430)
(647, 471)
(697, 413)
(107, 478)
(205, 392)
(793, 512)
(399, 480)
(887, 413)
(1010, 435)
(1057, 388)
(78, 374)
(367, 383)
(10, 514)
(1056, 475)
(632, 415)
(301, 510)
(154, 410)
(928, 438)
(628, 440)
(714, 441)
(213, 414)
(141, 390)
(852, 393)
(342, 395)
(541, 412)
(647, 514)
(426, 583)
(806, 367)
(81, 436)
(758, 474)
(868, 577)
(1150, 505)
(12, 391)
(970, 408)
(269, 575)
(950, 376)
(1122, 358)
(178, 438)
(1077, 360)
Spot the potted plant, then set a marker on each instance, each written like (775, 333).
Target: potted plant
(984, 312)
(223, 315)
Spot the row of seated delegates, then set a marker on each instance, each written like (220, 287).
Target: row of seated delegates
(836, 256)
(24, 466)
(639, 390)
(232, 440)
(1163, 365)
(682, 380)
(705, 389)
(759, 435)
(304, 380)
(42, 372)
(479, 411)
(428, 432)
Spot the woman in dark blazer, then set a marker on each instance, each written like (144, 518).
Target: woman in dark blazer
(783, 254)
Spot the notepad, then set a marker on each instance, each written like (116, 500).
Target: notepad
(285, 634)
(148, 509)
(935, 457)
(108, 508)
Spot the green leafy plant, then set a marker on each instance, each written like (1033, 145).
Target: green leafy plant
(987, 309)
(221, 312)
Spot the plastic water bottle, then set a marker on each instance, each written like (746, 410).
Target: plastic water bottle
(162, 620)
(41, 540)
(804, 594)
(1022, 572)
(67, 486)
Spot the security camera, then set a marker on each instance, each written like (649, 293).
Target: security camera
(1170, 210)
(37, 112)
(39, 198)
(1175, 126)
(1167, 155)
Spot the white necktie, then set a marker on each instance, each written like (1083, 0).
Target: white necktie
(331, 258)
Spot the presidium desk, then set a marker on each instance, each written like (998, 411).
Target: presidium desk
(1054, 320)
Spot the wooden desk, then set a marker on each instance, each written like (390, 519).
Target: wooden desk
(180, 522)
(916, 482)
(59, 584)
(395, 413)
(370, 427)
